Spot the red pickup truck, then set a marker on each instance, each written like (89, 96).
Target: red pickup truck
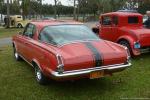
(125, 28)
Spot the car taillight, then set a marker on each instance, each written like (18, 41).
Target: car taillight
(60, 67)
(128, 55)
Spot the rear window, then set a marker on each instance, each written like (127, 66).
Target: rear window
(133, 20)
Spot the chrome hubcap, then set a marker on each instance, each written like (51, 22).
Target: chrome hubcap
(38, 74)
(16, 54)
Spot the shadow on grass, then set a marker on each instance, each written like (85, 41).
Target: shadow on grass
(81, 86)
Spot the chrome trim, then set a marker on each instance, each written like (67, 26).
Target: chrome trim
(25, 60)
(128, 55)
(57, 57)
(109, 68)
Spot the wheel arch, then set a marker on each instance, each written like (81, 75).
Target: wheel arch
(36, 63)
(127, 39)
(20, 24)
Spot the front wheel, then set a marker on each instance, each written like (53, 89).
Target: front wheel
(40, 77)
(16, 55)
(126, 44)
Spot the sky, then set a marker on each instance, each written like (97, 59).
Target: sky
(64, 2)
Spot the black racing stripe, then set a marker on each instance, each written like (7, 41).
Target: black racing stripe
(96, 54)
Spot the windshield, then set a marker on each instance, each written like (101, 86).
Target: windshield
(63, 34)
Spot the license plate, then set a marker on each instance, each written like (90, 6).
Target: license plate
(97, 74)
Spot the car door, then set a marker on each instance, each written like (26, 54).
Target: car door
(106, 28)
(28, 35)
(114, 31)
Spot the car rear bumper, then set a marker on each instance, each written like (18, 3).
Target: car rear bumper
(109, 69)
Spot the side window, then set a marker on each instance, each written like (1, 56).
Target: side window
(29, 30)
(106, 20)
(115, 20)
(45, 36)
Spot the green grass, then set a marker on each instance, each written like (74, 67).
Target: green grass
(17, 82)
(8, 32)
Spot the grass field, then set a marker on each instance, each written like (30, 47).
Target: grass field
(8, 32)
(17, 82)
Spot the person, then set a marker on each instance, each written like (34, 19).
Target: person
(147, 22)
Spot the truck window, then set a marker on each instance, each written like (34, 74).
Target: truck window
(115, 20)
(19, 17)
(106, 20)
(133, 20)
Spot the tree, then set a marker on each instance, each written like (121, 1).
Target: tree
(1, 7)
(8, 14)
(144, 6)
(55, 8)
(25, 7)
(74, 11)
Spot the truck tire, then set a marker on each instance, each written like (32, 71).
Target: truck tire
(126, 44)
(19, 26)
(96, 31)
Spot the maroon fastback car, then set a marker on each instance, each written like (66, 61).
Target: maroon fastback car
(125, 28)
(68, 50)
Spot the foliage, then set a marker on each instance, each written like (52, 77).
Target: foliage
(81, 7)
(144, 6)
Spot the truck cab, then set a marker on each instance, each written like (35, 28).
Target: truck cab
(125, 28)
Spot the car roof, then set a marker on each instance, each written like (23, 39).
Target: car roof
(44, 23)
(122, 14)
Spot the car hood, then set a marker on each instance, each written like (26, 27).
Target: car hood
(82, 55)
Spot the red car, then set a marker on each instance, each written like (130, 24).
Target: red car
(67, 51)
(126, 28)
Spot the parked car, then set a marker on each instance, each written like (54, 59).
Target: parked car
(126, 28)
(145, 17)
(16, 21)
(67, 51)
(48, 18)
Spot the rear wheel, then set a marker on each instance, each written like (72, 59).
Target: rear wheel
(126, 44)
(40, 77)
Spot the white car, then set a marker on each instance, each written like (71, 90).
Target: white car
(145, 17)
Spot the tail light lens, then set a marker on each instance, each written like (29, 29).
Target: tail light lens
(128, 55)
(60, 67)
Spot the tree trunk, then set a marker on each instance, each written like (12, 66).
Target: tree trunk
(74, 12)
(55, 9)
(1, 11)
(8, 14)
